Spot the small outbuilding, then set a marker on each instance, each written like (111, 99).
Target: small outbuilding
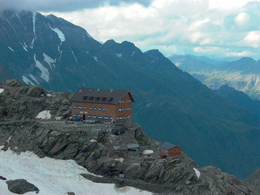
(170, 150)
(133, 150)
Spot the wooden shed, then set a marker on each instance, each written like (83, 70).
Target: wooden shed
(170, 150)
(106, 105)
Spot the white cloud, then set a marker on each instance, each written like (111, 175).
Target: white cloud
(63, 5)
(171, 25)
(239, 54)
(253, 39)
(230, 4)
(205, 49)
(242, 18)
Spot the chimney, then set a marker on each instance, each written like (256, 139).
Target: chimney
(111, 90)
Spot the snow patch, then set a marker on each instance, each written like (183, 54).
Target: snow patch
(34, 18)
(25, 48)
(119, 159)
(18, 17)
(10, 48)
(53, 176)
(95, 58)
(133, 53)
(45, 73)
(49, 60)
(119, 55)
(1, 90)
(34, 79)
(45, 114)
(74, 56)
(59, 33)
(11, 26)
(34, 30)
(26, 80)
(197, 172)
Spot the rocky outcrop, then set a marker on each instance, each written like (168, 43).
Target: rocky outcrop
(253, 181)
(19, 101)
(21, 186)
(99, 148)
(95, 147)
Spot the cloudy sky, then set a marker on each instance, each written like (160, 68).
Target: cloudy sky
(213, 28)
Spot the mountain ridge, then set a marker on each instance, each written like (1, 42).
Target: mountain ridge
(170, 104)
(241, 74)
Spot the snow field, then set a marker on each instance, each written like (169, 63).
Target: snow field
(45, 114)
(53, 177)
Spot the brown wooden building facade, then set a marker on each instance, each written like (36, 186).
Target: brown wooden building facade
(170, 150)
(105, 105)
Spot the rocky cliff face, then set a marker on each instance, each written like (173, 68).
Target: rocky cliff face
(253, 181)
(19, 101)
(99, 148)
(96, 148)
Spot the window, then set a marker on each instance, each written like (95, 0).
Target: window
(80, 107)
(104, 98)
(91, 98)
(116, 118)
(122, 101)
(129, 101)
(111, 118)
(94, 116)
(128, 109)
(89, 116)
(120, 118)
(90, 108)
(100, 109)
(97, 98)
(94, 108)
(100, 117)
(75, 107)
(110, 99)
(119, 109)
(106, 117)
(85, 97)
(103, 109)
(75, 115)
(84, 107)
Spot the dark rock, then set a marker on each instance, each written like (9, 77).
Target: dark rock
(35, 91)
(2, 178)
(14, 83)
(70, 193)
(21, 186)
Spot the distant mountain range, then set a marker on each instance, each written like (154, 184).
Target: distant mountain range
(170, 104)
(242, 74)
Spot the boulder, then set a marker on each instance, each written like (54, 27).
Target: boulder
(21, 186)
(34, 91)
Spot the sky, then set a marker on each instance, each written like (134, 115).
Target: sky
(212, 28)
